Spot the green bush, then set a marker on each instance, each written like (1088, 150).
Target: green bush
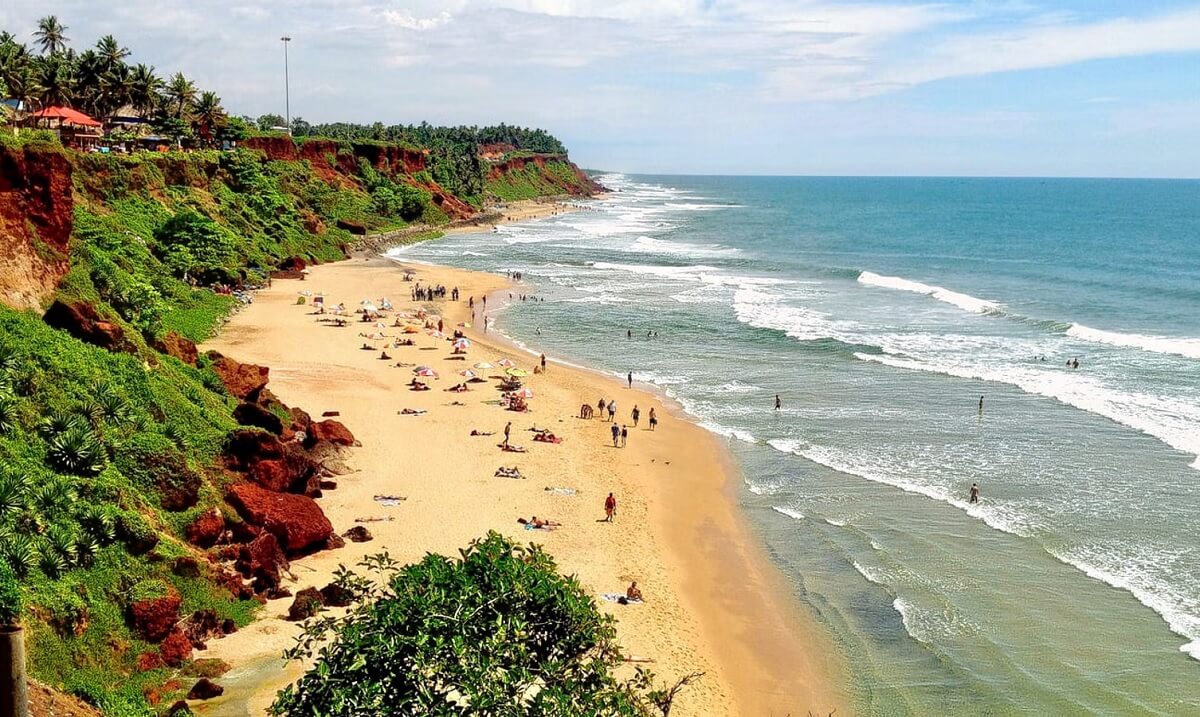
(190, 243)
(498, 631)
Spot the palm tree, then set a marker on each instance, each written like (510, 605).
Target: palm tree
(111, 52)
(54, 82)
(116, 87)
(208, 114)
(88, 75)
(144, 89)
(51, 35)
(181, 93)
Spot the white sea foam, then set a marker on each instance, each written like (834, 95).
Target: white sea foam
(678, 272)
(603, 299)
(739, 387)
(836, 523)
(1187, 347)
(787, 445)
(1179, 611)
(789, 512)
(962, 301)
(1173, 421)
(720, 430)
(869, 573)
(909, 616)
(650, 245)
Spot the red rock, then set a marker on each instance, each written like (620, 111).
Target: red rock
(355, 228)
(172, 344)
(36, 219)
(205, 689)
(202, 626)
(176, 649)
(294, 472)
(332, 431)
(206, 529)
(245, 447)
(335, 595)
(83, 322)
(241, 380)
(154, 618)
(185, 566)
(358, 534)
(233, 583)
(263, 561)
(149, 661)
(296, 520)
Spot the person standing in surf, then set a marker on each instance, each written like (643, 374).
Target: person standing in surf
(778, 402)
(974, 493)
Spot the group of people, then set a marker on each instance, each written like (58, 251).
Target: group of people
(649, 334)
(429, 293)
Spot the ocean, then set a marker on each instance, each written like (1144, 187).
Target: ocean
(881, 310)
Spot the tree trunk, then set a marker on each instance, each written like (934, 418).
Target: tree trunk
(14, 697)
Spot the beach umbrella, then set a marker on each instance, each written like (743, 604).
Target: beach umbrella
(462, 343)
(468, 373)
(463, 325)
(376, 336)
(507, 363)
(517, 372)
(483, 365)
(426, 372)
(368, 306)
(524, 393)
(380, 325)
(436, 334)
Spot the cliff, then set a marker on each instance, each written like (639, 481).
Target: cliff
(36, 217)
(526, 175)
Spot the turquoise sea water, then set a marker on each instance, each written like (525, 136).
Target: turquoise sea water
(881, 310)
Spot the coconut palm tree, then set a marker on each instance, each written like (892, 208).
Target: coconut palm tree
(116, 89)
(181, 93)
(144, 89)
(111, 52)
(88, 75)
(51, 35)
(55, 83)
(208, 115)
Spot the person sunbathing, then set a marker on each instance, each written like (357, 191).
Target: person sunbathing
(510, 448)
(367, 347)
(634, 593)
(477, 432)
(513, 472)
(412, 411)
(545, 436)
(402, 342)
(459, 388)
(536, 523)
(416, 385)
(383, 356)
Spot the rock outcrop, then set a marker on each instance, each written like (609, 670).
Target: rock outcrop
(295, 520)
(36, 218)
(82, 321)
(241, 380)
(154, 618)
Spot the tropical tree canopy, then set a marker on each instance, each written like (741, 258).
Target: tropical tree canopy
(497, 631)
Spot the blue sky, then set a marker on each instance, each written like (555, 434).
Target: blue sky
(967, 87)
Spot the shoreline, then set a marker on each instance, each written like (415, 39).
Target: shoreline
(716, 603)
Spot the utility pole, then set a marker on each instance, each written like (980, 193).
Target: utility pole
(287, 89)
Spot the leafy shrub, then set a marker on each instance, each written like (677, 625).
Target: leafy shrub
(77, 450)
(8, 412)
(190, 243)
(497, 632)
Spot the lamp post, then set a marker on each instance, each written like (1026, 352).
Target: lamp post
(287, 90)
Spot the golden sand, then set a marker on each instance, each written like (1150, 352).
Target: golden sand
(714, 603)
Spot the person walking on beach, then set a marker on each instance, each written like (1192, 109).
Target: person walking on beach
(507, 431)
(543, 363)
(612, 410)
(624, 435)
(653, 419)
(974, 493)
(629, 379)
(616, 434)
(600, 408)
(610, 508)
(778, 402)
(635, 415)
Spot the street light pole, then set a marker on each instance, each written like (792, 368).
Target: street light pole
(287, 89)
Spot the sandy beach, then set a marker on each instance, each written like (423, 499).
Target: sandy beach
(714, 603)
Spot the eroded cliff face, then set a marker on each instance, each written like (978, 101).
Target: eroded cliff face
(577, 183)
(337, 162)
(36, 218)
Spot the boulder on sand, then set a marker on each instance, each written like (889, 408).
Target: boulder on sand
(241, 380)
(332, 431)
(296, 520)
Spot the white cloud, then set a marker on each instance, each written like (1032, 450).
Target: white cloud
(407, 21)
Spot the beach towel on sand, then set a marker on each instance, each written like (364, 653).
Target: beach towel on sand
(390, 501)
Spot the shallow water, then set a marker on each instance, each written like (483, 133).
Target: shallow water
(881, 310)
